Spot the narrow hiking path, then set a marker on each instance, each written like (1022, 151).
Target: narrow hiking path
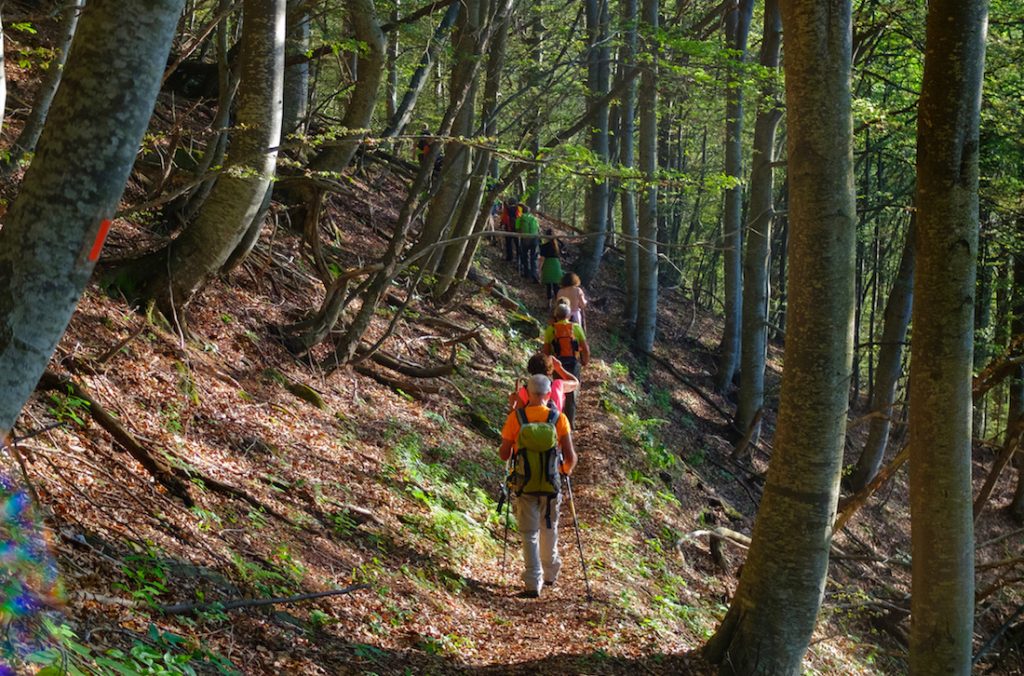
(562, 631)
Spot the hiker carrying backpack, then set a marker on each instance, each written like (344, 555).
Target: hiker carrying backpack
(539, 443)
(567, 343)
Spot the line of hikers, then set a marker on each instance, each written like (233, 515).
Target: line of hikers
(524, 251)
(537, 443)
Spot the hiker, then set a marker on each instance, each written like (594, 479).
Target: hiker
(573, 292)
(551, 265)
(422, 148)
(532, 437)
(547, 365)
(567, 343)
(528, 226)
(509, 216)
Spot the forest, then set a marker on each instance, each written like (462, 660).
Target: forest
(507, 337)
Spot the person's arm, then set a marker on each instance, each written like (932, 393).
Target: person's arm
(570, 383)
(505, 452)
(568, 454)
(583, 299)
(584, 353)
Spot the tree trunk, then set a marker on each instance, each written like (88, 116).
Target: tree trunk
(772, 616)
(398, 122)
(474, 215)
(737, 27)
(391, 88)
(55, 229)
(754, 342)
(295, 107)
(647, 302)
(942, 542)
(458, 157)
(596, 208)
(336, 156)
(890, 362)
(29, 136)
(3, 74)
(1016, 406)
(626, 127)
(175, 274)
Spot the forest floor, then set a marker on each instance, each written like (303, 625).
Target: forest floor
(395, 489)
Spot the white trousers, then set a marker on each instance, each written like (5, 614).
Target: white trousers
(540, 543)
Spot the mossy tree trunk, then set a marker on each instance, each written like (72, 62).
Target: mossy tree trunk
(890, 366)
(174, 275)
(295, 106)
(647, 246)
(942, 533)
(737, 27)
(53, 234)
(628, 195)
(754, 341)
(772, 616)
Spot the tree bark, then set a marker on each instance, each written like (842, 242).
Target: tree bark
(942, 547)
(647, 303)
(628, 195)
(737, 27)
(398, 122)
(598, 70)
(754, 343)
(1016, 403)
(295, 106)
(335, 156)
(29, 136)
(772, 616)
(890, 366)
(173, 276)
(55, 229)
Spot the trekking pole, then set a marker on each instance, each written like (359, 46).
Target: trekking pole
(579, 542)
(507, 500)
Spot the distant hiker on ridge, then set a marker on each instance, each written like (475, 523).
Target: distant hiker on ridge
(567, 342)
(509, 216)
(532, 437)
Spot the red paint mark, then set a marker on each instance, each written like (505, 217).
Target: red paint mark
(101, 236)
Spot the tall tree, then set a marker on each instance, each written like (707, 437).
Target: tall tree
(628, 198)
(890, 366)
(737, 28)
(55, 229)
(759, 234)
(173, 275)
(29, 136)
(598, 74)
(942, 542)
(647, 304)
(295, 106)
(772, 615)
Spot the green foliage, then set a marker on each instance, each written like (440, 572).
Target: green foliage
(145, 573)
(66, 407)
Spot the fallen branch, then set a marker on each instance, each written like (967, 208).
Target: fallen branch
(156, 466)
(494, 288)
(417, 390)
(183, 608)
(412, 370)
(852, 504)
(1013, 440)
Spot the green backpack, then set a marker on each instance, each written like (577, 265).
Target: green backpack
(535, 471)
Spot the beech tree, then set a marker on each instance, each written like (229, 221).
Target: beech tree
(942, 535)
(647, 246)
(772, 615)
(173, 275)
(54, 231)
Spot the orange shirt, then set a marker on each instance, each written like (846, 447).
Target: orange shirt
(510, 432)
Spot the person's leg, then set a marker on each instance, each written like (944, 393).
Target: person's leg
(550, 560)
(530, 519)
(533, 261)
(572, 366)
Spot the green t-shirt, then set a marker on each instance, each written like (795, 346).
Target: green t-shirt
(527, 225)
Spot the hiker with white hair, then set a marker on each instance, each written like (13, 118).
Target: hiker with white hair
(538, 440)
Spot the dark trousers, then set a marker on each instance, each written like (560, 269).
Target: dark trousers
(572, 365)
(511, 248)
(528, 258)
(552, 290)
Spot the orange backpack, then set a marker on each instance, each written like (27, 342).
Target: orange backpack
(564, 343)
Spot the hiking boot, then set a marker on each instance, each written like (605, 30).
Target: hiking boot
(528, 594)
(549, 583)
